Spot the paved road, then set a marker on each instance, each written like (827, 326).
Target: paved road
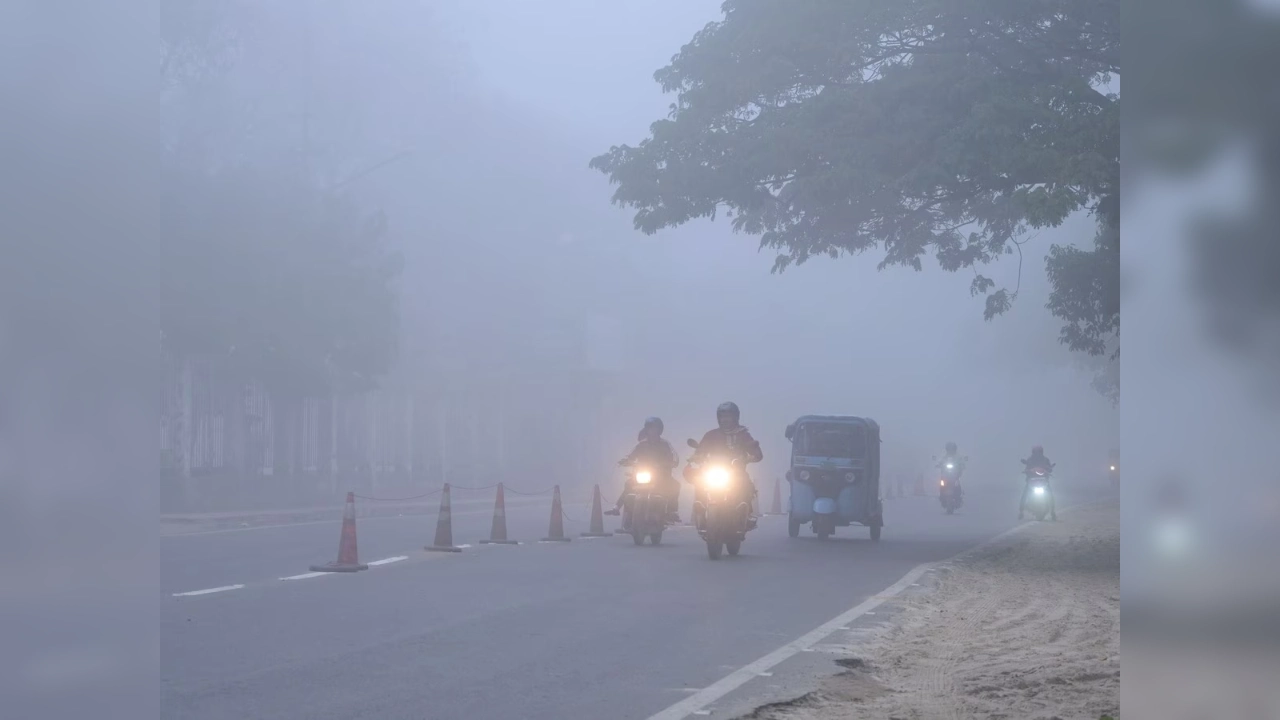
(589, 629)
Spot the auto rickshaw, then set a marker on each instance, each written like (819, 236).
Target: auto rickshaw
(834, 474)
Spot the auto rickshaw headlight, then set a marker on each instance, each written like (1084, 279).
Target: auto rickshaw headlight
(804, 474)
(717, 477)
(644, 477)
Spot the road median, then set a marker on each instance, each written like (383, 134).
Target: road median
(1026, 627)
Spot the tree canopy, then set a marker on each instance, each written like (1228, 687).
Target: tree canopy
(911, 127)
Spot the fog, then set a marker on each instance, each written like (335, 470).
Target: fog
(531, 310)
(532, 327)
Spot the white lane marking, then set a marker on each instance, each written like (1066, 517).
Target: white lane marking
(695, 704)
(304, 576)
(224, 588)
(388, 561)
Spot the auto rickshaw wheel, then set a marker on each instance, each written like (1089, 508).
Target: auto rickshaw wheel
(638, 538)
(875, 533)
(713, 550)
(793, 526)
(655, 538)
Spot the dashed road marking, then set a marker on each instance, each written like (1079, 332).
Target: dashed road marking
(304, 576)
(224, 588)
(388, 561)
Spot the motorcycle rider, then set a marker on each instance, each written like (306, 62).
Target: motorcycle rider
(951, 455)
(1037, 461)
(656, 455)
(729, 440)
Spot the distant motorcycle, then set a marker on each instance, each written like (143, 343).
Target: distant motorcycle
(722, 510)
(949, 492)
(1038, 499)
(1113, 473)
(950, 496)
(644, 508)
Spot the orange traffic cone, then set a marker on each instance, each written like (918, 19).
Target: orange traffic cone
(444, 526)
(597, 517)
(556, 532)
(498, 535)
(777, 497)
(348, 558)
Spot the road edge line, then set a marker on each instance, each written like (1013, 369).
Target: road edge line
(745, 674)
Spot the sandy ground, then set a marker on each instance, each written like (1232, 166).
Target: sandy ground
(1028, 627)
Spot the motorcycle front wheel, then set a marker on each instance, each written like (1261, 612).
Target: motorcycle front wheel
(713, 549)
(793, 526)
(655, 538)
(733, 547)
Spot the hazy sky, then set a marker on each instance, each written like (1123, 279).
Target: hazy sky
(513, 247)
(831, 336)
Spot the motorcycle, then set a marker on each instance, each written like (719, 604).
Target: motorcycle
(1038, 501)
(1113, 473)
(644, 511)
(949, 492)
(722, 513)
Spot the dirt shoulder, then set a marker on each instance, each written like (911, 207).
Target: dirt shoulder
(1028, 627)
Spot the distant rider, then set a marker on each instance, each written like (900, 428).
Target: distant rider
(1037, 461)
(729, 441)
(951, 456)
(656, 455)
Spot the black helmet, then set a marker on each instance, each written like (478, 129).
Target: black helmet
(654, 423)
(951, 448)
(728, 411)
(1037, 450)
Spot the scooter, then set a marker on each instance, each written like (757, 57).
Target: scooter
(1038, 500)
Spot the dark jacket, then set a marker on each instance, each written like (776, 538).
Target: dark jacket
(658, 456)
(1037, 461)
(730, 444)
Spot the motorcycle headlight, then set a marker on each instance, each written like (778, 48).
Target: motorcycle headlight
(1039, 490)
(1113, 468)
(716, 478)
(644, 477)
(942, 483)
(951, 466)
(804, 474)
